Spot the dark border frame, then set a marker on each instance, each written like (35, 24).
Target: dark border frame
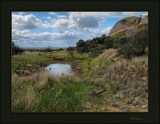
(152, 6)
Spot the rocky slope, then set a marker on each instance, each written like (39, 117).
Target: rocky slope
(129, 26)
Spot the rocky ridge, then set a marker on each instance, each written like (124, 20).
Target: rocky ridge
(129, 26)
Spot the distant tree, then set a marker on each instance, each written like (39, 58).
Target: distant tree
(48, 49)
(16, 49)
(71, 51)
(70, 48)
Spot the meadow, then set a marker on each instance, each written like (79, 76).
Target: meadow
(34, 89)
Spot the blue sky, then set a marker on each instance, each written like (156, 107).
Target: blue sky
(62, 29)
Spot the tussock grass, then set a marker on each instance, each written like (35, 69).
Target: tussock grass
(125, 81)
(43, 92)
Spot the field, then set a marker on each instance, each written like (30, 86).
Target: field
(34, 89)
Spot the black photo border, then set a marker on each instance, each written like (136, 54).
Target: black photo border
(7, 6)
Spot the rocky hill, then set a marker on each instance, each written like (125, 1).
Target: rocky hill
(129, 26)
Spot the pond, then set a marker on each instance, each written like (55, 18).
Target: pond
(58, 69)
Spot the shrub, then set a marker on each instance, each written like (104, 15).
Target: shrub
(16, 49)
(70, 48)
(60, 49)
(48, 49)
(108, 42)
(126, 50)
(139, 42)
(96, 51)
(134, 45)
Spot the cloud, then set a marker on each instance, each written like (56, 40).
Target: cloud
(67, 30)
(92, 33)
(62, 16)
(25, 38)
(106, 14)
(52, 13)
(25, 22)
(21, 13)
(82, 20)
(61, 23)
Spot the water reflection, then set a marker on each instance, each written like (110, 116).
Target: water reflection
(58, 69)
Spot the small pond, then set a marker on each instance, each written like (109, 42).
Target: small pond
(58, 69)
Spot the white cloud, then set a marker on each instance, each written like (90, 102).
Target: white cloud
(52, 13)
(62, 16)
(67, 30)
(106, 14)
(45, 39)
(92, 33)
(25, 22)
(21, 13)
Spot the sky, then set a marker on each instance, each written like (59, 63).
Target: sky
(62, 29)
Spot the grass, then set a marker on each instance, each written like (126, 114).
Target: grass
(125, 81)
(47, 94)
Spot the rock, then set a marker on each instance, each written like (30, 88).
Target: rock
(34, 70)
(129, 26)
(144, 106)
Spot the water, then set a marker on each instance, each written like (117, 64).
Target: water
(58, 69)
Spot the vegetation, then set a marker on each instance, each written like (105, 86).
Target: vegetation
(16, 49)
(127, 46)
(117, 64)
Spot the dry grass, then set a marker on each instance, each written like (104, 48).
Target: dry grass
(109, 54)
(126, 82)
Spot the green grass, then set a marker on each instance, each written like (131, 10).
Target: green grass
(42, 92)
(52, 97)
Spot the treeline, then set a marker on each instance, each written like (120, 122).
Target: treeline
(126, 46)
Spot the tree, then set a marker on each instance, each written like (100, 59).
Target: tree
(82, 46)
(48, 49)
(16, 49)
(108, 42)
(71, 51)
(140, 42)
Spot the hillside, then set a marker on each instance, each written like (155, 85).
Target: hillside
(129, 26)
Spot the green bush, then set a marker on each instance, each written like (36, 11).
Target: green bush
(48, 49)
(96, 51)
(108, 42)
(70, 48)
(133, 46)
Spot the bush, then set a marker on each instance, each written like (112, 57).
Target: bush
(139, 42)
(16, 49)
(126, 50)
(60, 49)
(108, 42)
(96, 51)
(48, 49)
(135, 45)
(70, 48)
